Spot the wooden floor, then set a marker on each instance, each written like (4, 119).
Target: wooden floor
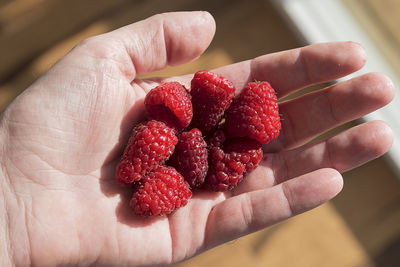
(360, 227)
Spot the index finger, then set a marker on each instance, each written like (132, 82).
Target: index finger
(291, 70)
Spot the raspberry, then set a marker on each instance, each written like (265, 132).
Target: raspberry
(246, 151)
(150, 145)
(254, 113)
(170, 103)
(217, 138)
(191, 157)
(230, 163)
(211, 96)
(219, 141)
(160, 192)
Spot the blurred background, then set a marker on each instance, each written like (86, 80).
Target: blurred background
(360, 227)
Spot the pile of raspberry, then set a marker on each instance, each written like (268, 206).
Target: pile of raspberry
(205, 138)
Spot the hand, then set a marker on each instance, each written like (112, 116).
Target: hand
(62, 137)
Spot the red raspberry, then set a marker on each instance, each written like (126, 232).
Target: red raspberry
(170, 103)
(191, 157)
(254, 113)
(150, 145)
(211, 96)
(160, 192)
(230, 163)
(216, 138)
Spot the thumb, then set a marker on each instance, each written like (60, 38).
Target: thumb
(152, 44)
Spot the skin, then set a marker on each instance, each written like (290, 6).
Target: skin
(61, 139)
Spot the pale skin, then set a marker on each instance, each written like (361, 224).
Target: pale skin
(61, 139)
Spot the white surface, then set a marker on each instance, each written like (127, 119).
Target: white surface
(329, 20)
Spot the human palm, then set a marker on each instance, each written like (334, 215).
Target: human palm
(63, 136)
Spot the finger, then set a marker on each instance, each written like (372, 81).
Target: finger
(151, 44)
(291, 70)
(308, 116)
(342, 152)
(246, 213)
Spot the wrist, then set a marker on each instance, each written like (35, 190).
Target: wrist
(5, 246)
(14, 238)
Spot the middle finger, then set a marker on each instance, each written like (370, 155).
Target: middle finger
(310, 115)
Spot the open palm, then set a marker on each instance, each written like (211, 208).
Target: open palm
(61, 140)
